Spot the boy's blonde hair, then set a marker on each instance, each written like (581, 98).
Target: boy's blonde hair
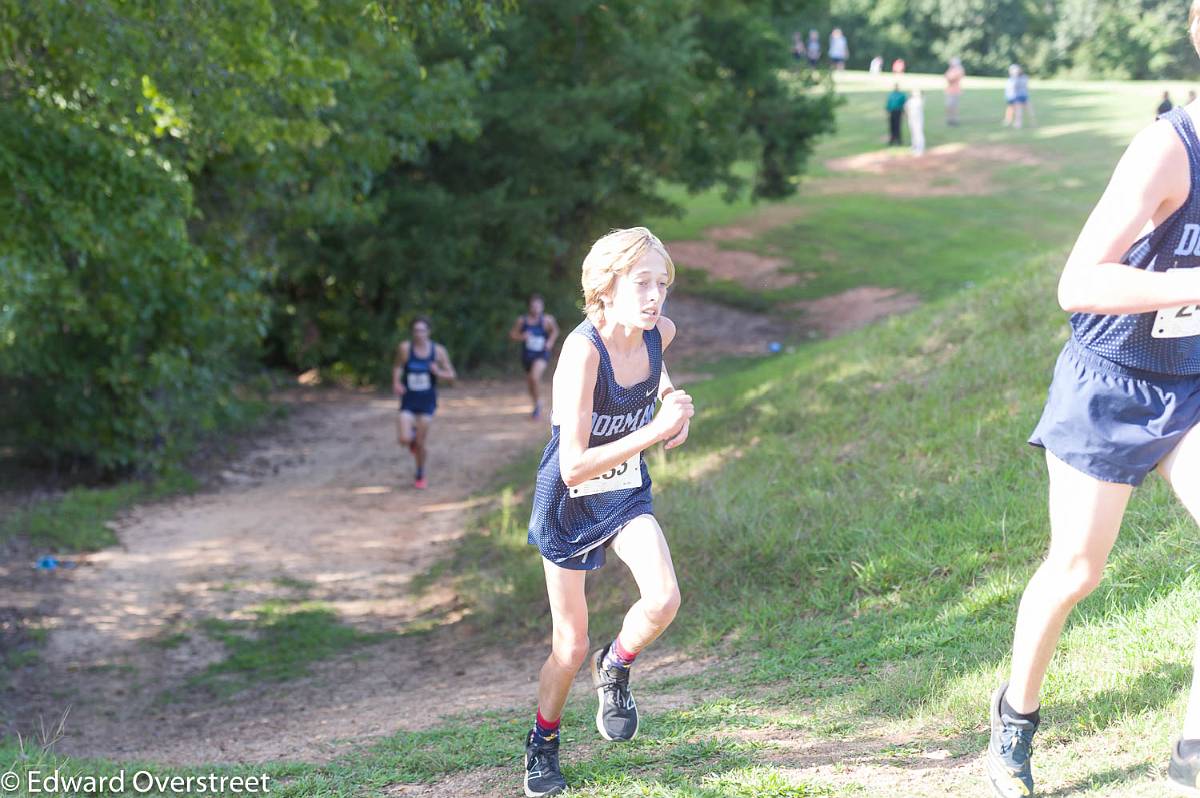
(1194, 25)
(615, 254)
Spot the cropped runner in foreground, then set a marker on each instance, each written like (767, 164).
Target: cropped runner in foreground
(1124, 401)
(593, 487)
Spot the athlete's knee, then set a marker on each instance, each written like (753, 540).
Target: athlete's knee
(571, 647)
(660, 607)
(1074, 578)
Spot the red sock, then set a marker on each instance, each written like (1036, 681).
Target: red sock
(618, 655)
(546, 729)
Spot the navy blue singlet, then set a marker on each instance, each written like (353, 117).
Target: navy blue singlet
(420, 383)
(1128, 339)
(565, 527)
(534, 346)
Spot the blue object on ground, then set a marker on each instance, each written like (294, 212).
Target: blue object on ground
(47, 563)
(775, 347)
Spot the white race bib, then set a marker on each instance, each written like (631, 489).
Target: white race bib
(626, 475)
(535, 343)
(419, 381)
(1180, 322)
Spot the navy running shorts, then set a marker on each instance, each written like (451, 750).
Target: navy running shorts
(529, 358)
(1112, 422)
(419, 405)
(594, 558)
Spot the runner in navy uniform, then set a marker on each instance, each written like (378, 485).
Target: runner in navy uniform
(420, 363)
(593, 487)
(537, 331)
(1124, 401)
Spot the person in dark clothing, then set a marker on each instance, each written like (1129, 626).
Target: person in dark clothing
(895, 109)
(1164, 106)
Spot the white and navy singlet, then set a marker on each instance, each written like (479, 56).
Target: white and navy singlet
(1143, 341)
(571, 530)
(534, 346)
(420, 382)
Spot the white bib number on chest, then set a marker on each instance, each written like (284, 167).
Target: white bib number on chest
(535, 343)
(419, 381)
(1180, 322)
(626, 475)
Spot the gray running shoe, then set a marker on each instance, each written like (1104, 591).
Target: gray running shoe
(617, 715)
(542, 775)
(1183, 774)
(1010, 752)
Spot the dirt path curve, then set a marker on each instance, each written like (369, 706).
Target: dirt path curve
(324, 508)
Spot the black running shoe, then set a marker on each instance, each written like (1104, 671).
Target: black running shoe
(1184, 772)
(617, 715)
(542, 776)
(1009, 752)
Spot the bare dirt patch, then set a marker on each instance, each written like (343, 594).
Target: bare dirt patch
(762, 221)
(953, 169)
(755, 272)
(709, 329)
(852, 309)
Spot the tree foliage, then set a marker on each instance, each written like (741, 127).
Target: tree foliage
(141, 147)
(194, 187)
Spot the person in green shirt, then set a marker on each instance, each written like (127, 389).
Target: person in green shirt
(895, 109)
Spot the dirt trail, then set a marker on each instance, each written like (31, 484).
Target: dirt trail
(324, 508)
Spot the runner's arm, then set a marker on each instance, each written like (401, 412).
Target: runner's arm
(552, 330)
(516, 333)
(398, 369)
(1151, 179)
(442, 366)
(574, 382)
(665, 386)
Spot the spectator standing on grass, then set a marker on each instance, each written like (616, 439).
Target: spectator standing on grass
(798, 51)
(954, 76)
(1016, 95)
(898, 66)
(839, 49)
(915, 109)
(1164, 106)
(876, 66)
(895, 109)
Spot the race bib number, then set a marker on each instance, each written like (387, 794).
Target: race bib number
(419, 381)
(626, 475)
(1180, 322)
(535, 343)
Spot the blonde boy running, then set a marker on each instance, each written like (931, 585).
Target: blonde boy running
(593, 487)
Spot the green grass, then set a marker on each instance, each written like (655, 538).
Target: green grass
(853, 525)
(281, 641)
(843, 238)
(78, 520)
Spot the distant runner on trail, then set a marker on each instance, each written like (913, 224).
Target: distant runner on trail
(593, 487)
(537, 331)
(1124, 401)
(420, 363)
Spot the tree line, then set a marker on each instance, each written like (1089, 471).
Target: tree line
(1120, 39)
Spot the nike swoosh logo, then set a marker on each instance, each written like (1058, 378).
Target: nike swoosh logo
(650, 392)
